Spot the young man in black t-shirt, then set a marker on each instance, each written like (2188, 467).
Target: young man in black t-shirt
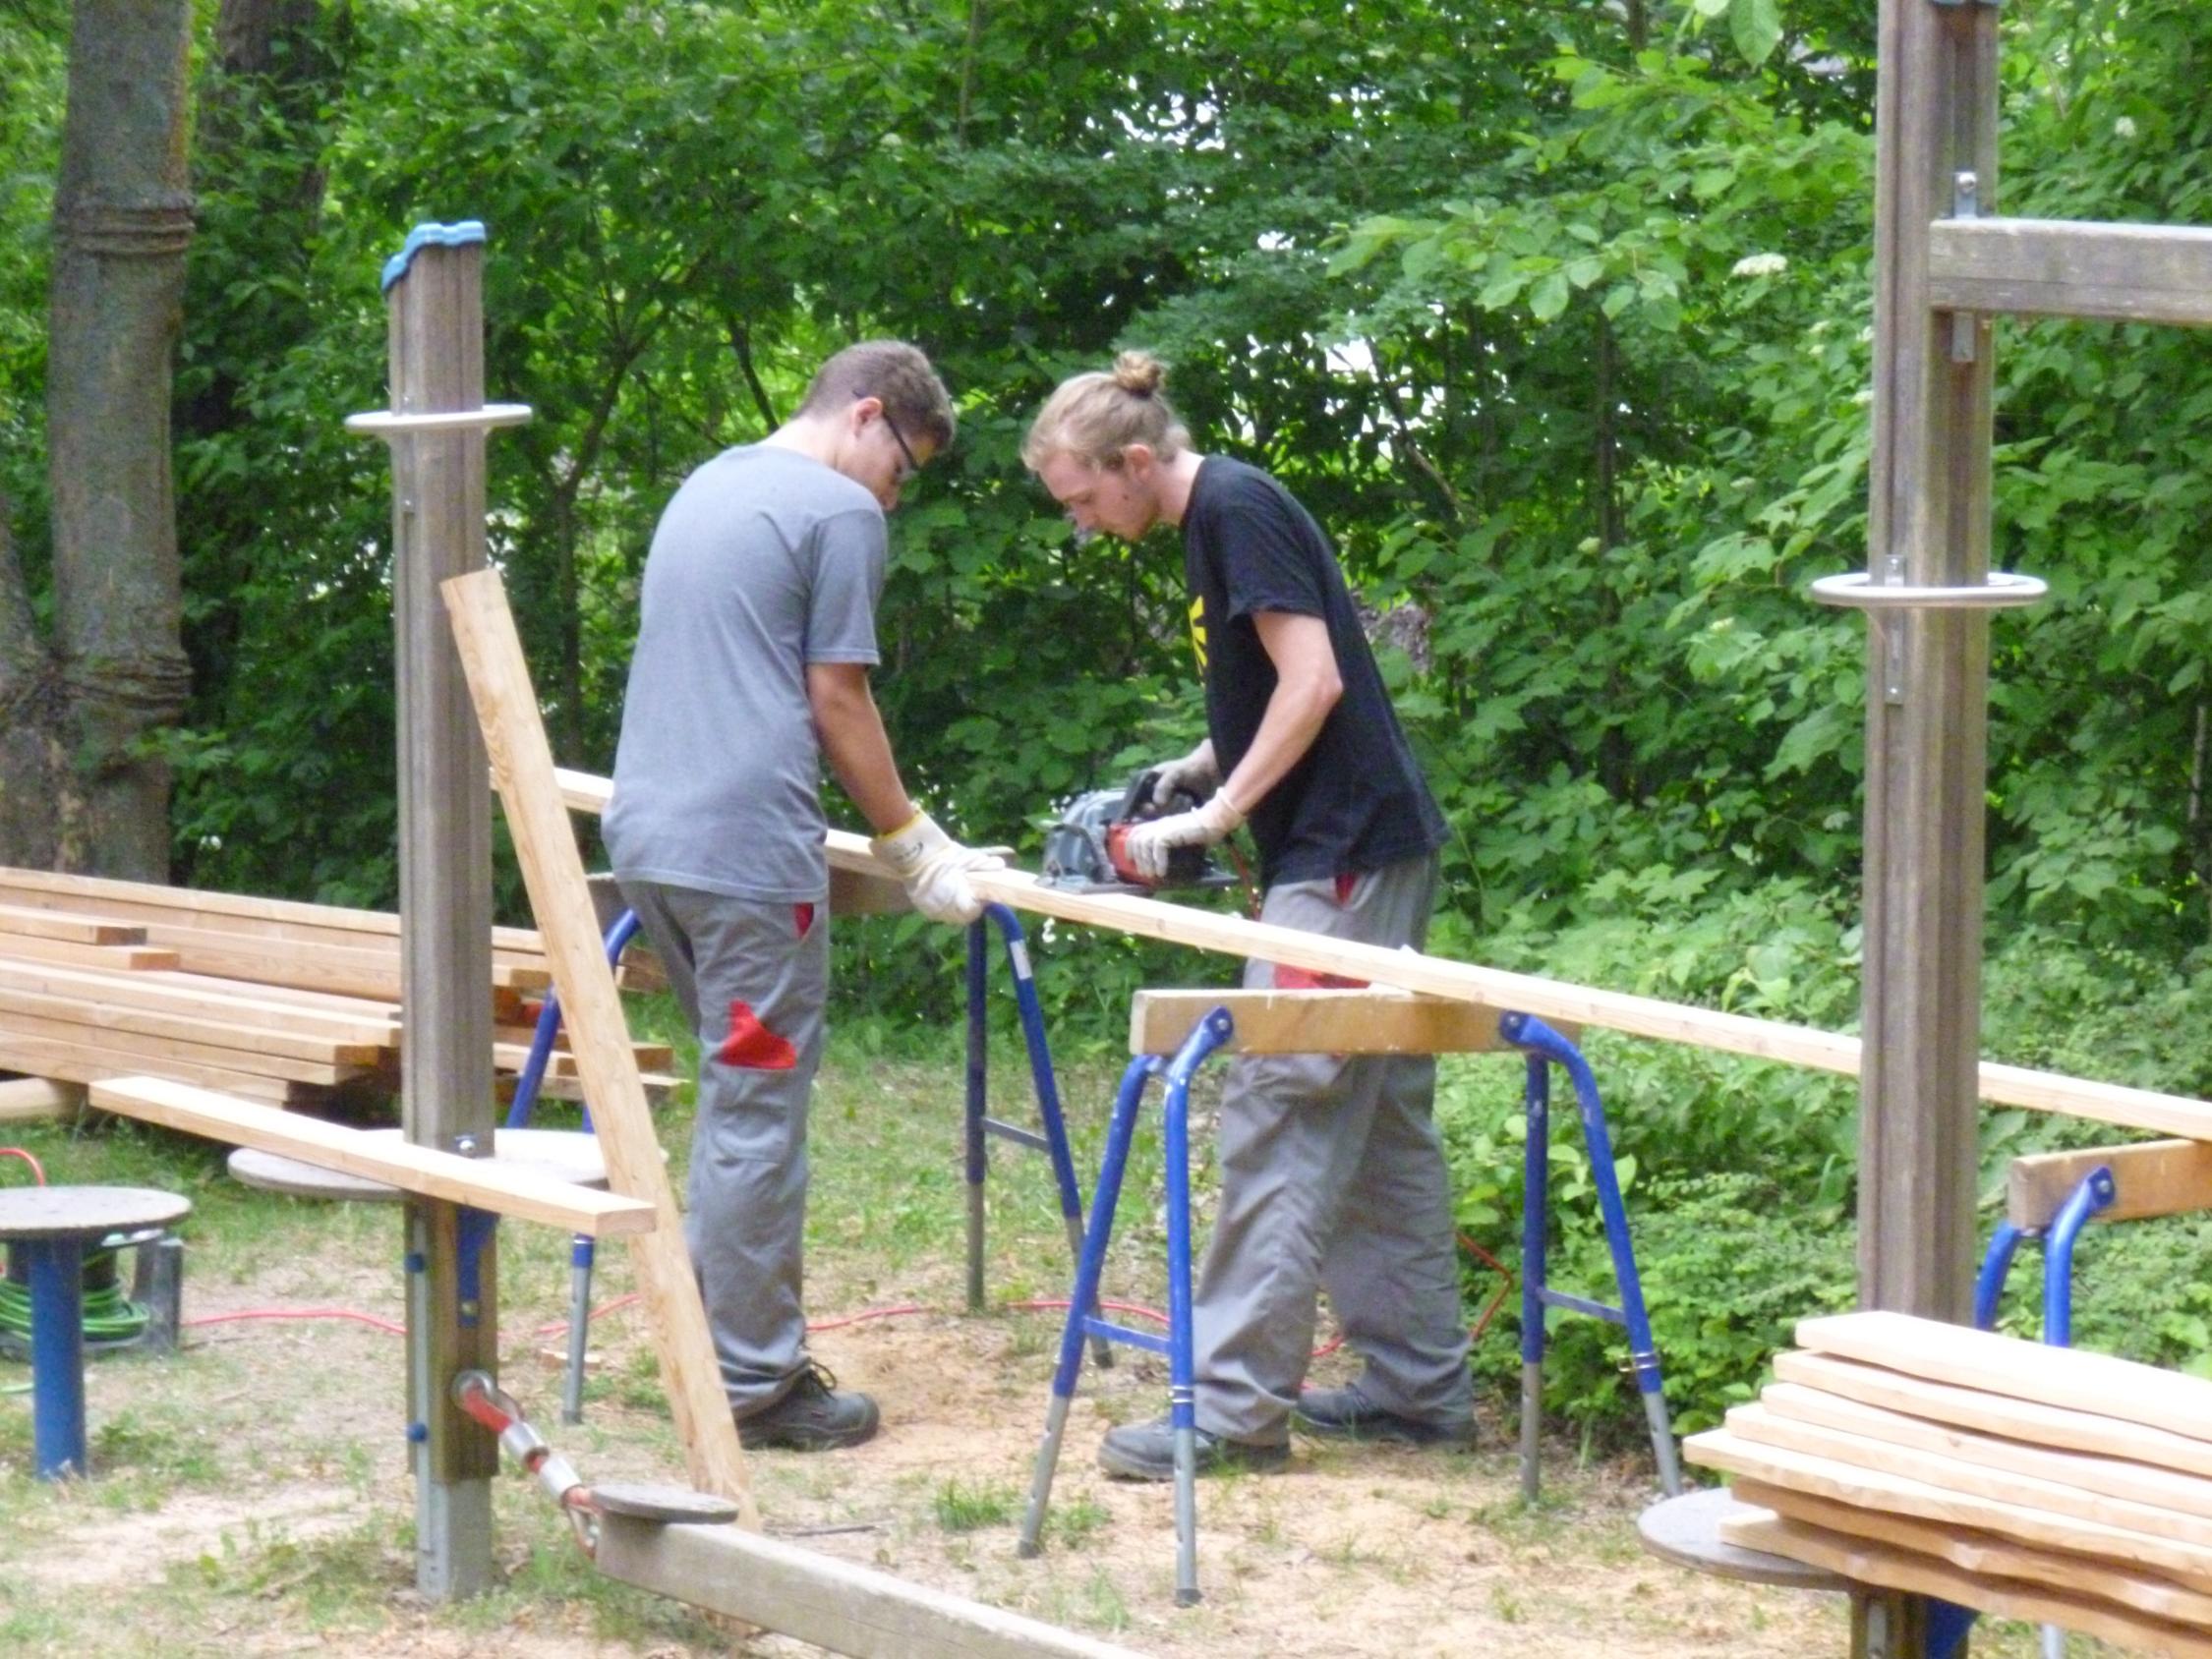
(1332, 1174)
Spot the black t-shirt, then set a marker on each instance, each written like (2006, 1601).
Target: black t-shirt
(1356, 801)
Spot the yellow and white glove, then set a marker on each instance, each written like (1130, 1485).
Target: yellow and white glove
(1195, 775)
(933, 868)
(1149, 844)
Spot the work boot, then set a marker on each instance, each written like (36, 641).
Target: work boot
(1347, 1414)
(811, 1417)
(1146, 1452)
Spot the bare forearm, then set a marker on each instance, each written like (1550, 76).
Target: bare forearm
(1307, 687)
(856, 746)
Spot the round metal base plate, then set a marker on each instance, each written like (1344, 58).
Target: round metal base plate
(649, 1502)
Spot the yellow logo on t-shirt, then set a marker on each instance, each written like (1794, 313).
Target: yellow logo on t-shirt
(1198, 630)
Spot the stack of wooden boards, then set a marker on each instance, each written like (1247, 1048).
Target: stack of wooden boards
(264, 998)
(2050, 1484)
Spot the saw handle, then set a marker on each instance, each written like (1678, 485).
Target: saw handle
(1141, 802)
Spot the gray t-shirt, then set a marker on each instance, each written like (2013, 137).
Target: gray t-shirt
(765, 561)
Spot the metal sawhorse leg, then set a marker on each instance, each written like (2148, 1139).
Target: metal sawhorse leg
(580, 1247)
(1209, 1034)
(2095, 1194)
(980, 1125)
(1546, 1047)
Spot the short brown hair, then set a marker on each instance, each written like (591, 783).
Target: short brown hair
(1095, 416)
(894, 371)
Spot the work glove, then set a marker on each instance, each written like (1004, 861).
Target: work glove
(1149, 844)
(1195, 775)
(933, 868)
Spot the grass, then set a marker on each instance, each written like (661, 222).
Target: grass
(962, 1507)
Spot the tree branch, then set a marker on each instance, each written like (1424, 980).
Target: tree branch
(741, 343)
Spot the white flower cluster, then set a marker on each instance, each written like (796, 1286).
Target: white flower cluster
(1760, 264)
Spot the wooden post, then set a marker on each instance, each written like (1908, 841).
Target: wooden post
(1927, 672)
(544, 843)
(436, 315)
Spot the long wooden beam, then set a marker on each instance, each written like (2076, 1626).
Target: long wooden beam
(552, 870)
(2056, 267)
(477, 1183)
(834, 1604)
(1553, 1000)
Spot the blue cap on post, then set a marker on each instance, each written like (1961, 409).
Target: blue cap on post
(431, 235)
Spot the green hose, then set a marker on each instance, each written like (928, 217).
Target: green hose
(110, 1316)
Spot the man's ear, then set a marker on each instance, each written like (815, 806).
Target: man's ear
(1137, 461)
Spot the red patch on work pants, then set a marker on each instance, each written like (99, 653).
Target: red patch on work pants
(803, 918)
(751, 1043)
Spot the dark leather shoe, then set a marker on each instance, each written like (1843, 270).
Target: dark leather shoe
(811, 1417)
(1146, 1452)
(1347, 1414)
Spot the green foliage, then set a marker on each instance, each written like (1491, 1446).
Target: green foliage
(1728, 1268)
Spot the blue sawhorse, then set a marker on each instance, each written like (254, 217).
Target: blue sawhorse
(1547, 1047)
(980, 1125)
(1209, 1034)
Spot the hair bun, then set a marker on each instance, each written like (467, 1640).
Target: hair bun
(1139, 372)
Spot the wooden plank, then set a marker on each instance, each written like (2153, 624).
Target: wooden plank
(1986, 1555)
(191, 906)
(552, 870)
(2059, 267)
(133, 1051)
(22, 921)
(2111, 1477)
(116, 958)
(1555, 1001)
(1982, 1359)
(1871, 1563)
(1316, 1022)
(2028, 1492)
(479, 1182)
(75, 1063)
(1877, 1489)
(228, 1001)
(234, 913)
(371, 972)
(835, 1604)
(27, 1100)
(257, 1038)
(1997, 1413)
(2150, 1178)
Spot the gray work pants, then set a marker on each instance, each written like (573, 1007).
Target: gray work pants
(752, 979)
(1332, 1177)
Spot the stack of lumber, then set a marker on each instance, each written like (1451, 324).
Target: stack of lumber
(266, 999)
(2050, 1484)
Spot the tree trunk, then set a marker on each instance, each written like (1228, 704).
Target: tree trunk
(76, 710)
(29, 724)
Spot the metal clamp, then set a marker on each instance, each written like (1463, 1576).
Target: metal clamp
(2003, 590)
(389, 424)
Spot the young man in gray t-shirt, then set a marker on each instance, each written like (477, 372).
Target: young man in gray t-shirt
(756, 634)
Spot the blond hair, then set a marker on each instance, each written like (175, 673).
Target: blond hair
(1095, 416)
